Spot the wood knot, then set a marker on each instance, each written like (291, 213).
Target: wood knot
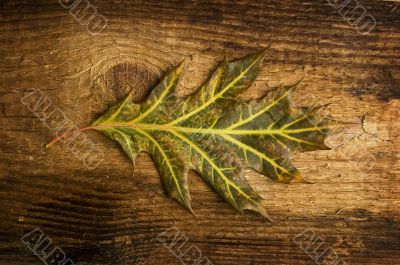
(125, 77)
(118, 81)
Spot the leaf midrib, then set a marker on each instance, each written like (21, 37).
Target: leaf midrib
(167, 128)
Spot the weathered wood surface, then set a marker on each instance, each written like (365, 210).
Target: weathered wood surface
(112, 214)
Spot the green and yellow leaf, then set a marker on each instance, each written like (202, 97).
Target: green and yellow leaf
(217, 135)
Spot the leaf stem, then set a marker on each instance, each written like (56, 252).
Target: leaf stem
(70, 133)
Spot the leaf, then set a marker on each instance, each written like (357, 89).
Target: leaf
(216, 134)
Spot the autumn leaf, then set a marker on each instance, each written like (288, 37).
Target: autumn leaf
(216, 134)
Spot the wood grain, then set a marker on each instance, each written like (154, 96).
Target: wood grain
(113, 214)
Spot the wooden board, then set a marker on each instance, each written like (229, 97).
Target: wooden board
(113, 214)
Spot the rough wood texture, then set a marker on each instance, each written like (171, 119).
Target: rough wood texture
(112, 214)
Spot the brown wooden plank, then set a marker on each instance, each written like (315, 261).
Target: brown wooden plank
(113, 214)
